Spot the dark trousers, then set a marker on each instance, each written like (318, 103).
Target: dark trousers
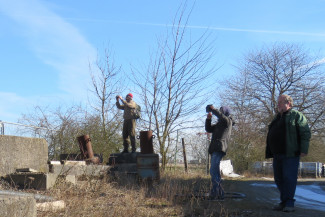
(285, 176)
(129, 134)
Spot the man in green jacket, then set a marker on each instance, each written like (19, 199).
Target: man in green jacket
(129, 122)
(287, 140)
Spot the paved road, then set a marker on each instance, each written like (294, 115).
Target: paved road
(262, 195)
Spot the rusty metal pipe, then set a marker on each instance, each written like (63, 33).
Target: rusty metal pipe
(146, 145)
(89, 146)
(85, 146)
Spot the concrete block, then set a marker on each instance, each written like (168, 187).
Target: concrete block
(69, 178)
(79, 170)
(74, 163)
(39, 181)
(19, 206)
(26, 170)
(28, 180)
(55, 162)
(51, 206)
(52, 178)
(22, 152)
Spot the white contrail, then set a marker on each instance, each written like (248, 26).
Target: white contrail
(193, 26)
(205, 27)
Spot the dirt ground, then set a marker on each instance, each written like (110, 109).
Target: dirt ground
(260, 199)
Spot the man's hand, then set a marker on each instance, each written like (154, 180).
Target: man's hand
(209, 116)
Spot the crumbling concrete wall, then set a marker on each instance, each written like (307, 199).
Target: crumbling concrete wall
(22, 152)
(17, 206)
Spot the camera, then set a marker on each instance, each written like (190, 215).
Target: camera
(208, 109)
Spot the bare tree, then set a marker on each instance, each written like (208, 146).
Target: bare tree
(59, 127)
(265, 74)
(278, 69)
(173, 85)
(199, 144)
(106, 84)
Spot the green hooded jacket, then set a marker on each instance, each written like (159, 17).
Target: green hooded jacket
(297, 134)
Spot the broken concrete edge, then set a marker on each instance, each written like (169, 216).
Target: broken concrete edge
(90, 161)
(20, 199)
(51, 206)
(70, 162)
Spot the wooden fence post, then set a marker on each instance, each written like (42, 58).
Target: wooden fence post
(184, 154)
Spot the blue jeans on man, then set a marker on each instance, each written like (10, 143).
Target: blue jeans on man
(216, 190)
(285, 176)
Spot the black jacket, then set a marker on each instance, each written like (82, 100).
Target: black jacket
(221, 132)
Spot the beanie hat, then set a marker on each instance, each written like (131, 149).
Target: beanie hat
(130, 94)
(226, 110)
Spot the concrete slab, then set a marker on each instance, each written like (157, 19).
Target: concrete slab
(51, 206)
(22, 152)
(39, 181)
(55, 162)
(17, 206)
(26, 170)
(79, 170)
(74, 163)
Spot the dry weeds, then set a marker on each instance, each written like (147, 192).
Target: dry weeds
(126, 196)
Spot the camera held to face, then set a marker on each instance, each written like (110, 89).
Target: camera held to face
(208, 109)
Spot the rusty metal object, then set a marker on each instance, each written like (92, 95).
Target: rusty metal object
(146, 145)
(85, 147)
(93, 160)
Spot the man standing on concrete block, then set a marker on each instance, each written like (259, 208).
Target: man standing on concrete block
(129, 124)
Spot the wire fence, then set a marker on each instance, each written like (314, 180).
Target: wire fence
(17, 129)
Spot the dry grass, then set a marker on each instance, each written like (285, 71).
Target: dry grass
(125, 196)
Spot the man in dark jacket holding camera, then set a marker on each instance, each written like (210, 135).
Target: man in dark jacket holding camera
(221, 132)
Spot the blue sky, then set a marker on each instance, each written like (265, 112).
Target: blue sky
(46, 45)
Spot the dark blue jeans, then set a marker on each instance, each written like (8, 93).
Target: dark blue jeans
(285, 176)
(216, 189)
